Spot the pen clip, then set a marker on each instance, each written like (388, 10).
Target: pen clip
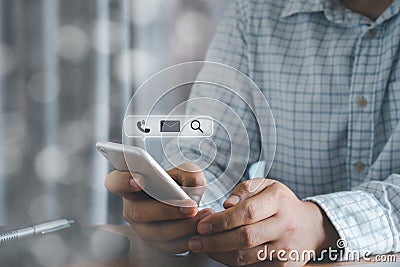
(54, 229)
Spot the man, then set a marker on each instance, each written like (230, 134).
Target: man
(330, 71)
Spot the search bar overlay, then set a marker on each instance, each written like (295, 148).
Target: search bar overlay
(168, 126)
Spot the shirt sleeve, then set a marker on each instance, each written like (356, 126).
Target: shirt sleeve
(367, 218)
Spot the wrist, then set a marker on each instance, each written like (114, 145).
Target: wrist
(325, 233)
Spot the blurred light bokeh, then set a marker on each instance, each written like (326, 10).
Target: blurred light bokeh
(67, 71)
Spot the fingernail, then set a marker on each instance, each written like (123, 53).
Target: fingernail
(233, 199)
(187, 210)
(205, 228)
(195, 245)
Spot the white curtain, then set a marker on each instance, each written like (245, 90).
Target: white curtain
(67, 70)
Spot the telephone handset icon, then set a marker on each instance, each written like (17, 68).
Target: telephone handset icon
(141, 127)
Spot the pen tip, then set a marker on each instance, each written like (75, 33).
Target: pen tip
(71, 221)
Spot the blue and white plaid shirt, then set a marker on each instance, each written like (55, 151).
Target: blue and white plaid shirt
(332, 79)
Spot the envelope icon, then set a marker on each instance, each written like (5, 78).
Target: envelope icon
(170, 126)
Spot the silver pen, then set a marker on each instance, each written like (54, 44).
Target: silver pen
(42, 228)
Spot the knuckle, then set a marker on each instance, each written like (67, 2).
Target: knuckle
(250, 211)
(199, 179)
(240, 258)
(245, 186)
(276, 193)
(276, 189)
(291, 225)
(247, 236)
(225, 223)
(279, 188)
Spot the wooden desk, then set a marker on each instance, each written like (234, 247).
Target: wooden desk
(142, 255)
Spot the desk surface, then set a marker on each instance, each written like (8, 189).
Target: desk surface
(142, 255)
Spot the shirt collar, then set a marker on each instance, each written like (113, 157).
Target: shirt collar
(392, 11)
(336, 12)
(332, 9)
(293, 7)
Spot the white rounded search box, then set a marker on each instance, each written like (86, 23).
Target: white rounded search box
(168, 126)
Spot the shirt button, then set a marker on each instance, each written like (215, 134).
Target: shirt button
(372, 33)
(360, 166)
(362, 102)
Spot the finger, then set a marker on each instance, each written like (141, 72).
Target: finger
(170, 230)
(124, 183)
(195, 193)
(173, 247)
(249, 211)
(241, 257)
(150, 210)
(188, 175)
(243, 237)
(192, 180)
(246, 190)
(137, 196)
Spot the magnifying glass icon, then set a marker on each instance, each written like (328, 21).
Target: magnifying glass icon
(195, 125)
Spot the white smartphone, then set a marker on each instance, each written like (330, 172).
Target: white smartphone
(158, 184)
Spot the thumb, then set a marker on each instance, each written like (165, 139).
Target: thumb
(246, 190)
(191, 178)
(188, 175)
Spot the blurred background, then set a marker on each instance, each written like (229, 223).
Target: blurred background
(67, 71)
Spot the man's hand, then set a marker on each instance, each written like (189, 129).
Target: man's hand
(164, 226)
(259, 212)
